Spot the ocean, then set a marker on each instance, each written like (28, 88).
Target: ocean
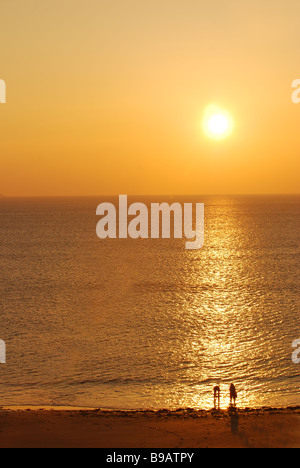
(136, 324)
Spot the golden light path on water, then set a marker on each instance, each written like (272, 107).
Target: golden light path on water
(230, 336)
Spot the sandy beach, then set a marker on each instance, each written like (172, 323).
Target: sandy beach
(186, 428)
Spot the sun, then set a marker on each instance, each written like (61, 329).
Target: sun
(217, 123)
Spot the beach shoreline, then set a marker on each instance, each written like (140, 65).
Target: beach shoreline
(71, 427)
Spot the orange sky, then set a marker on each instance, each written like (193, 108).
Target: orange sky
(107, 96)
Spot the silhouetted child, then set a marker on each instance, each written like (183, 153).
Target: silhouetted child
(217, 392)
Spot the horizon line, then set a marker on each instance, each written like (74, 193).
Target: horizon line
(155, 195)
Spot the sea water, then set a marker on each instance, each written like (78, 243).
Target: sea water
(124, 323)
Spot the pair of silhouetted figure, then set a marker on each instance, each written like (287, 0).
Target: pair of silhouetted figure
(217, 394)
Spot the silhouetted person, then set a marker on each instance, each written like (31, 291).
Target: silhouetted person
(233, 394)
(217, 393)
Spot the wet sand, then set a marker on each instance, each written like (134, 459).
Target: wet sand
(186, 428)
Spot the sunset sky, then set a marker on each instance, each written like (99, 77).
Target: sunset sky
(108, 96)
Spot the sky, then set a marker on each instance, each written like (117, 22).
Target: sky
(107, 97)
